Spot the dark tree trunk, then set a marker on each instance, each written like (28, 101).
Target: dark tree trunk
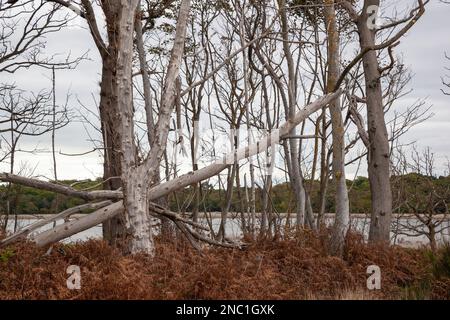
(114, 228)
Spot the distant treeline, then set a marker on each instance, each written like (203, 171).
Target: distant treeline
(417, 189)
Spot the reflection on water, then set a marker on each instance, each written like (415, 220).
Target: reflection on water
(233, 229)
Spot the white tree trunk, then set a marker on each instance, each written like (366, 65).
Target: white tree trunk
(73, 227)
(137, 177)
(134, 182)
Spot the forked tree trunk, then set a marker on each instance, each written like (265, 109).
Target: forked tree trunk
(136, 206)
(137, 177)
(165, 223)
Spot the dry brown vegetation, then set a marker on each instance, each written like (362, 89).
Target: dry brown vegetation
(294, 268)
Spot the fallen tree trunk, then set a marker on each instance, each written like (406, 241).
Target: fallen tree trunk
(73, 227)
(61, 189)
(24, 232)
(58, 233)
(70, 228)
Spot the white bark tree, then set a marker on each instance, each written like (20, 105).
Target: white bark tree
(136, 176)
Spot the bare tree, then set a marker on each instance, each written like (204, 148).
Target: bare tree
(421, 198)
(24, 26)
(136, 177)
(379, 151)
(23, 115)
(108, 105)
(238, 64)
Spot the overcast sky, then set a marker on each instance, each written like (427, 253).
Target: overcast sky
(422, 50)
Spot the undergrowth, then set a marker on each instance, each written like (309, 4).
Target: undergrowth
(294, 268)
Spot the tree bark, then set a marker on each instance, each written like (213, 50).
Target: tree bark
(135, 179)
(165, 224)
(60, 232)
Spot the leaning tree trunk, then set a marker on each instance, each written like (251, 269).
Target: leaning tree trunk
(378, 157)
(342, 218)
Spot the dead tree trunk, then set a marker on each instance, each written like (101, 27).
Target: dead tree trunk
(165, 223)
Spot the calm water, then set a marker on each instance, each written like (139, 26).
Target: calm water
(233, 229)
